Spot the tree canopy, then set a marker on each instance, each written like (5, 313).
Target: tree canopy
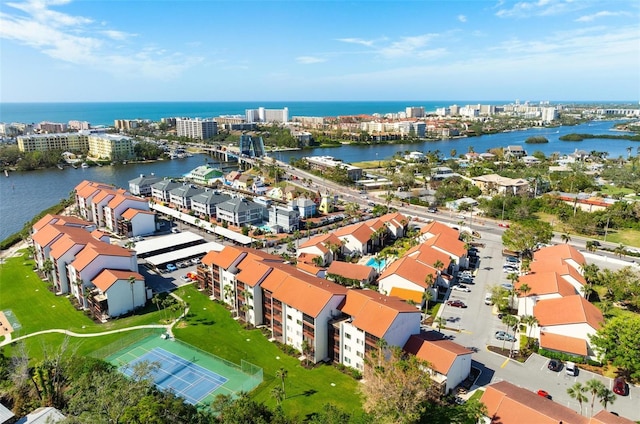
(524, 236)
(618, 342)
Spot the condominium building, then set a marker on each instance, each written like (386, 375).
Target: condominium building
(198, 129)
(51, 127)
(267, 115)
(414, 112)
(110, 147)
(79, 125)
(59, 141)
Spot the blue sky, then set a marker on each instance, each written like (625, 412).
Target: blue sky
(170, 50)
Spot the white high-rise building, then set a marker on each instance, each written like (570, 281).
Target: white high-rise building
(267, 115)
(415, 112)
(549, 114)
(197, 129)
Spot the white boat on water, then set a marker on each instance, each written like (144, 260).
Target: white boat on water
(84, 165)
(6, 173)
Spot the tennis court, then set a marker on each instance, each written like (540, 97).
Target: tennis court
(191, 373)
(185, 378)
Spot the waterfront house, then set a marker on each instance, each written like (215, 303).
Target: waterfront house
(141, 186)
(240, 211)
(204, 204)
(181, 196)
(205, 175)
(160, 191)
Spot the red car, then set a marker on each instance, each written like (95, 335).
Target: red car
(544, 394)
(620, 386)
(456, 304)
(503, 224)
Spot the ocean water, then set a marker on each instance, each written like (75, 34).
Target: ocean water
(106, 113)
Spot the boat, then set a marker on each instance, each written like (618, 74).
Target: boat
(84, 165)
(6, 173)
(60, 167)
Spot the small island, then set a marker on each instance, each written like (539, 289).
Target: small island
(580, 137)
(538, 139)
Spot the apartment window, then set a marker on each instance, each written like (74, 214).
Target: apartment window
(298, 322)
(359, 341)
(288, 316)
(347, 335)
(347, 360)
(360, 354)
(347, 348)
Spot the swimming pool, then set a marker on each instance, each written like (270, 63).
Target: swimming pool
(377, 264)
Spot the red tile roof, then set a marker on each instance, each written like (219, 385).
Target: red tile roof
(562, 343)
(373, 312)
(349, 270)
(434, 228)
(545, 283)
(563, 251)
(426, 254)
(361, 232)
(451, 245)
(105, 279)
(557, 264)
(567, 310)
(253, 272)
(440, 353)
(509, 404)
(606, 417)
(95, 249)
(411, 270)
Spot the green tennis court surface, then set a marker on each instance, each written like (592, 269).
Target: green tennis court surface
(191, 373)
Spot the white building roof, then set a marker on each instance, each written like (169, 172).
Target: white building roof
(187, 252)
(163, 242)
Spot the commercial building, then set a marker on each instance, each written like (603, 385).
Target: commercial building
(322, 163)
(197, 129)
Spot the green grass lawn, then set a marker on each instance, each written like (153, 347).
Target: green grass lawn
(210, 327)
(36, 308)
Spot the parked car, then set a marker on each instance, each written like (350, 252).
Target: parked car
(171, 267)
(507, 286)
(487, 299)
(509, 270)
(554, 365)
(466, 280)
(503, 335)
(544, 394)
(185, 278)
(462, 288)
(620, 386)
(571, 369)
(175, 230)
(195, 261)
(456, 303)
(512, 260)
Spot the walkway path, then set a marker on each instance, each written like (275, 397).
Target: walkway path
(169, 327)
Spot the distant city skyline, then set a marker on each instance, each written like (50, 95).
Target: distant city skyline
(110, 51)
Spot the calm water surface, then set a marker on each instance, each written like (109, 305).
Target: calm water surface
(24, 194)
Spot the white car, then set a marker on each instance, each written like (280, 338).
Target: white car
(461, 288)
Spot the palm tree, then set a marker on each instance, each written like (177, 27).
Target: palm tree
(620, 250)
(565, 238)
(594, 386)
(427, 296)
(282, 375)
(530, 321)
(590, 246)
(278, 394)
(606, 396)
(577, 392)
(440, 322)
(47, 267)
(524, 289)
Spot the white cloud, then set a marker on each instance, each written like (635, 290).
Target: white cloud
(73, 39)
(308, 60)
(602, 14)
(526, 9)
(462, 18)
(368, 43)
(407, 46)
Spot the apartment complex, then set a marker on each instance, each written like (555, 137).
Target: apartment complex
(59, 141)
(322, 163)
(197, 129)
(110, 147)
